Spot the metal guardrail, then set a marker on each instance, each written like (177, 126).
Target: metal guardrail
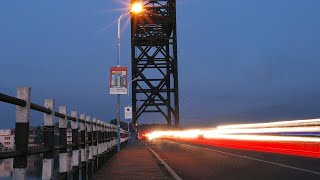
(93, 141)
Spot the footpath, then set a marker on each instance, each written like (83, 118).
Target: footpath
(134, 161)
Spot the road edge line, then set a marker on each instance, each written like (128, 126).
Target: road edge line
(170, 170)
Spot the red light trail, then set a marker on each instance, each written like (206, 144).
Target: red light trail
(299, 137)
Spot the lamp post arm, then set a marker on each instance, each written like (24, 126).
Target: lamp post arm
(119, 34)
(130, 83)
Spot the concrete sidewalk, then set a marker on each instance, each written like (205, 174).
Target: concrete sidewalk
(134, 161)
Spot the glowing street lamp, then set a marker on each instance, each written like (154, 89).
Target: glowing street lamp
(135, 8)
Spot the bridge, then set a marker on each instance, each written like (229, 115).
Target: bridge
(80, 146)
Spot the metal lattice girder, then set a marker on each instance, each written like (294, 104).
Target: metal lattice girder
(154, 61)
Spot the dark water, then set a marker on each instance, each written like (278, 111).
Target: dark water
(34, 169)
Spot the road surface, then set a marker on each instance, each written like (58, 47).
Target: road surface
(191, 161)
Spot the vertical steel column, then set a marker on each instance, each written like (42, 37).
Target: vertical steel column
(63, 155)
(168, 83)
(134, 74)
(22, 134)
(175, 71)
(48, 128)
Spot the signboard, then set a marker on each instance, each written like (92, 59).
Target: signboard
(128, 112)
(118, 80)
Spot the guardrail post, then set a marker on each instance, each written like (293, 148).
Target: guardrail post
(104, 142)
(63, 155)
(99, 143)
(108, 140)
(22, 133)
(48, 129)
(89, 130)
(95, 126)
(75, 148)
(83, 146)
(112, 138)
(115, 138)
(121, 138)
(128, 136)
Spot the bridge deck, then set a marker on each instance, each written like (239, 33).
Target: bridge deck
(134, 161)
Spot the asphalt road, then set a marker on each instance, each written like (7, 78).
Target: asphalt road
(191, 161)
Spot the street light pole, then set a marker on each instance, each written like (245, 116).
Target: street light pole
(137, 7)
(118, 95)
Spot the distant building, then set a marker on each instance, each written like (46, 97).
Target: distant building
(56, 136)
(35, 137)
(7, 138)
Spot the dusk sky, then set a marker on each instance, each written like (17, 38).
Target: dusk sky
(239, 60)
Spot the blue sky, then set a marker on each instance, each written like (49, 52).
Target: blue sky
(239, 60)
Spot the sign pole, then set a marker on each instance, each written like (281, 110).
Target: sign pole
(118, 123)
(118, 83)
(128, 115)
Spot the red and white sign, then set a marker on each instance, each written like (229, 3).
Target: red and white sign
(118, 80)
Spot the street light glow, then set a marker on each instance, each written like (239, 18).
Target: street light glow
(136, 7)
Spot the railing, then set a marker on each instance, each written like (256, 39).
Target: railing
(96, 144)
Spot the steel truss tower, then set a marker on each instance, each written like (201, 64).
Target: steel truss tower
(154, 61)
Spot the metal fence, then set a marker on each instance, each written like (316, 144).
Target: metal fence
(93, 141)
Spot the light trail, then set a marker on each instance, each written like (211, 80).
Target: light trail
(307, 122)
(263, 138)
(255, 134)
(299, 137)
(176, 134)
(265, 130)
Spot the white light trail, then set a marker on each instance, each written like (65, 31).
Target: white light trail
(177, 134)
(273, 124)
(265, 130)
(240, 135)
(256, 132)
